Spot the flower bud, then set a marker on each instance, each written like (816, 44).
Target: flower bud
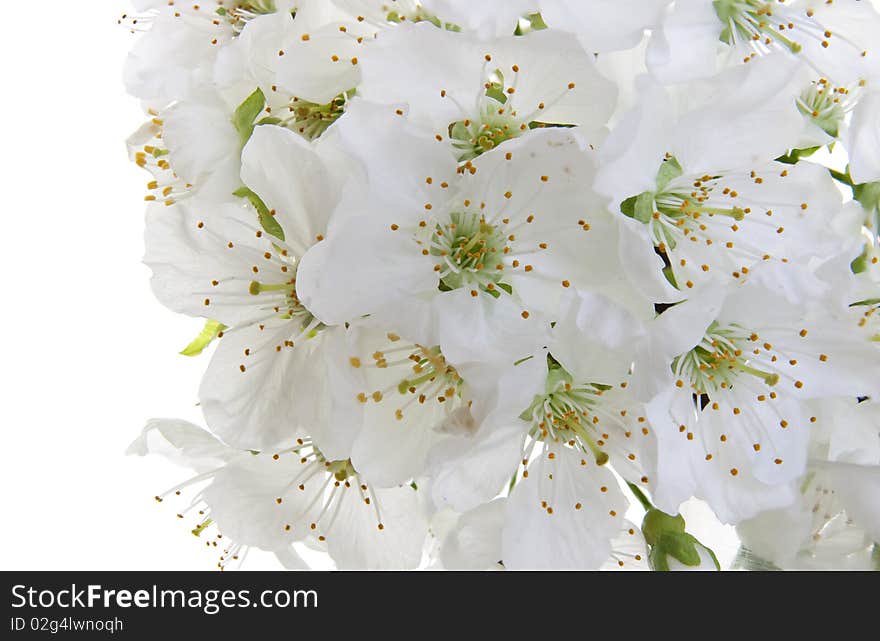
(672, 548)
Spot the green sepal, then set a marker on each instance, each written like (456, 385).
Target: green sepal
(669, 274)
(667, 537)
(725, 10)
(537, 124)
(682, 547)
(246, 114)
(267, 220)
(211, 330)
(658, 523)
(494, 293)
(794, 156)
(495, 91)
(861, 264)
(868, 196)
(640, 208)
(669, 171)
(535, 23)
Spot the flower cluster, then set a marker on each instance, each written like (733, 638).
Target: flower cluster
(488, 278)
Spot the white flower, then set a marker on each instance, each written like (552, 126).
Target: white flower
(271, 501)
(301, 62)
(408, 393)
(710, 199)
(571, 429)
(220, 263)
(468, 258)
(174, 58)
(481, 272)
(478, 94)
(833, 522)
(698, 37)
(467, 468)
(749, 355)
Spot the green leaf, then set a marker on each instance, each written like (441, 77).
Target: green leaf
(640, 208)
(247, 113)
(267, 220)
(211, 330)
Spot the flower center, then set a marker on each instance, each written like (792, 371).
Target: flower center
(241, 12)
(431, 378)
(566, 413)
(310, 119)
(469, 251)
(719, 360)
(826, 105)
(752, 21)
(284, 300)
(496, 124)
(675, 210)
(148, 152)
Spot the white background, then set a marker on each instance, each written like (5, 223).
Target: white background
(86, 354)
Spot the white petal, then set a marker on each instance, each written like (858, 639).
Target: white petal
(577, 534)
(181, 442)
(199, 135)
(475, 541)
(594, 339)
(604, 25)
(355, 541)
(487, 18)
(858, 487)
(196, 271)
(291, 179)
(863, 140)
(243, 500)
(257, 397)
(686, 45)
